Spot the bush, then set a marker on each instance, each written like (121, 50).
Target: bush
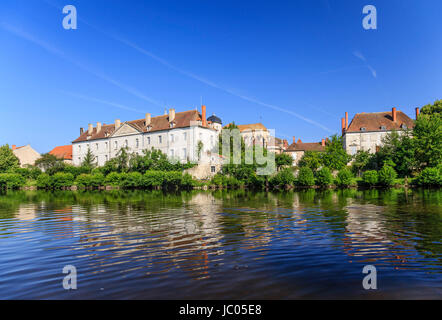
(62, 180)
(131, 180)
(172, 179)
(113, 179)
(344, 178)
(324, 177)
(44, 181)
(305, 177)
(386, 176)
(188, 181)
(430, 177)
(28, 173)
(153, 179)
(370, 177)
(90, 180)
(11, 181)
(256, 181)
(282, 178)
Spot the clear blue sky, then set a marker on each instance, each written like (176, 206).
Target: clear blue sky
(296, 66)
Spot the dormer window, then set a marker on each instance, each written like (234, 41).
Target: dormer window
(403, 126)
(363, 129)
(383, 128)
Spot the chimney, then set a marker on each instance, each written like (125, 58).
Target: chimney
(299, 141)
(343, 125)
(294, 139)
(171, 115)
(417, 113)
(90, 129)
(148, 119)
(394, 114)
(346, 121)
(81, 131)
(323, 142)
(14, 147)
(285, 144)
(117, 124)
(98, 127)
(203, 115)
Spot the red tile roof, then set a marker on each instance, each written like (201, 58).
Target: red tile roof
(375, 121)
(62, 152)
(308, 146)
(182, 120)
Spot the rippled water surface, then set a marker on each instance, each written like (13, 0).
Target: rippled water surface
(221, 245)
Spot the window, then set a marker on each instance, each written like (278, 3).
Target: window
(383, 128)
(79, 149)
(171, 138)
(211, 140)
(116, 145)
(126, 143)
(212, 169)
(185, 136)
(404, 126)
(363, 129)
(105, 158)
(137, 143)
(172, 153)
(106, 144)
(96, 146)
(148, 140)
(184, 153)
(353, 150)
(160, 140)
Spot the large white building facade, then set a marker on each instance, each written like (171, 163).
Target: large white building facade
(175, 134)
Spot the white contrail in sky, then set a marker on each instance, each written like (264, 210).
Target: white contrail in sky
(29, 37)
(361, 57)
(109, 103)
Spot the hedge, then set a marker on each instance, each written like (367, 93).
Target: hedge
(11, 181)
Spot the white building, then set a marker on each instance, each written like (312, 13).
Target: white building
(367, 130)
(175, 134)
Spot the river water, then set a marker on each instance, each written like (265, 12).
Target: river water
(221, 245)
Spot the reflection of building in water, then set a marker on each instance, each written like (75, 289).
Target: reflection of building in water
(367, 236)
(183, 236)
(26, 212)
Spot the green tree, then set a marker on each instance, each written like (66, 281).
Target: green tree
(306, 177)
(344, 178)
(324, 177)
(386, 176)
(428, 140)
(50, 164)
(283, 160)
(360, 161)
(89, 161)
(8, 160)
(335, 157)
(311, 159)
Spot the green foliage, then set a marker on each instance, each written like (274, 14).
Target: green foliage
(432, 109)
(282, 178)
(90, 180)
(226, 181)
(89, 161)
(335, 157)
(305, 177)
(28, 173)
(131, 180)
(387, 176)
(324, 177)
(283, 160)
(8, 160)
(113, 179)
(430, 177)
(11, 181)
(153, 179)
(62, 180)
(344, 178)
(311, 159)
(50, 164)
(370, 177)
(44, 181)
(360, 162)
(428, 140)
